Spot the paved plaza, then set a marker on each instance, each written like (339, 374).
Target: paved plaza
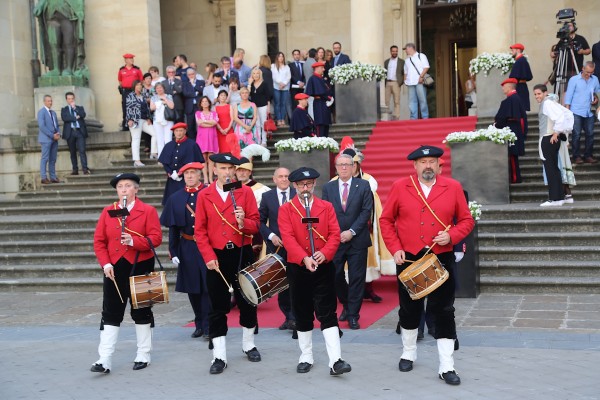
(511, 347)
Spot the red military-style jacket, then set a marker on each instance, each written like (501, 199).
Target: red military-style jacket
(142, 222)
(212, 231)
(407, 224)
(295, 234)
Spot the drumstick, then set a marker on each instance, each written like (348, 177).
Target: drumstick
(225, 280)
(118, 291)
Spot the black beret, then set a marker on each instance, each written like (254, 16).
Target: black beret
(303, 173)
(225, 158)
(350, 152)
(426, 151)
(124, 175)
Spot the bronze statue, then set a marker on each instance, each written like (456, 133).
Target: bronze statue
(61, 36)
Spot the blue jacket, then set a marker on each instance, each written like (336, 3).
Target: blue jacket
(48, 125)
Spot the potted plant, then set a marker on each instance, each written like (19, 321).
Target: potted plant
(314, 152)
(491, 69)
(357, 91)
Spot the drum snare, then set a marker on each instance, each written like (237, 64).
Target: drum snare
(424, 276)
(263, 279)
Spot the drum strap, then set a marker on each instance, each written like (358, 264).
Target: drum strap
(192, 212)
(228, 223)
(138, 253)
(313, 228)
(126, 228)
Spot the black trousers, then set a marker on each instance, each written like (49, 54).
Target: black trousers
(192, 129)
(200, 303)
(440, 302)
(351, 293)
(77, 145)
(124, 94)
(550, 152)
(218, 291)
(322, 130)
(313, 294)
(113, 310)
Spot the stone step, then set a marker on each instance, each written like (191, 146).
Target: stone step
(531, 285)
(541, 196)
(60, 284)
(538, 185)
(550, 254)
(56, 271)
(40, 223)
(83, 206)
(539, 239)
(515, 212)
(554, 225)
(9, 235)
(63, 257)
(56, 245)
(540, 268)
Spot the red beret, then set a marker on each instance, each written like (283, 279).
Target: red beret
(509, 80)
(179, 125)
(128, 55)
(318, 64)
(518, 46)
(301, 96)
(192, 165)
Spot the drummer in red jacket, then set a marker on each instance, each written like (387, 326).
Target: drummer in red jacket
(409, 229)
(118, 254)
(222, 232)
(311, 276)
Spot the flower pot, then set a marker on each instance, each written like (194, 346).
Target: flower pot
(321, 160)
(489, 93)
(482, 169)
(357, 102)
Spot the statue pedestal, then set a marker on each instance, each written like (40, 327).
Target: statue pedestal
(72, 80)
(83, 97)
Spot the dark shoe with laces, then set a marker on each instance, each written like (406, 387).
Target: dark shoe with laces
(340, 367)
(99, 368)
(420, 335)
(303, 367)
(139, 365)
(450, 377)
(353, 323)
(405, 365)
(74, 172)
(253, 355)
(197, 333)
(217, 366)
(87, 172)
(284, 326)
(343, 316)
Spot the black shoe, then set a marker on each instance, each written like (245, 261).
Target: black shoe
(99, 368)
(405, 365)
(87, 172)
(217, 366)
(285, 326)
(139, 365)
(75, 172)
(253, 355)
(450, 378)
(303, 367)
(420, 335)
(353, 323)
(197, 333)
(456, 344)
(340, 367)
(206, 335)
(343, 316)
(291, 324)
(373, 297)
(398, 328)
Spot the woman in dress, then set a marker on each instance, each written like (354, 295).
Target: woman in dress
(162, 127)
(244, 116)
(281, 85)
(224, 110)
(206, 138)
(260, 93)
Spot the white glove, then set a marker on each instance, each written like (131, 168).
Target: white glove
(174, 176)
(175, 260)
(458, 255)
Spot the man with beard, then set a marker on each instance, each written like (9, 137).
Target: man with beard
(521, 72)
(418, 219)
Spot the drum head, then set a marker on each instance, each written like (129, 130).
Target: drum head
(247, 286)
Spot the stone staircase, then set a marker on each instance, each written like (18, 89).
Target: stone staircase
(46, 235)
(524, 248)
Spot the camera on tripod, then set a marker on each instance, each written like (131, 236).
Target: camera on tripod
(566, 16)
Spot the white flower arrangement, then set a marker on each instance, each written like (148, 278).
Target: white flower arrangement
(485, 62)
(256, 150)
(344, 73)
(491, 133)
(475, 209)
(306, 144)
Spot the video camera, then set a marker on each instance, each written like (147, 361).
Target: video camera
(565, 17)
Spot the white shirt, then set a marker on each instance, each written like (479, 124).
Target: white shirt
(281, 75)
(222, 193)
(212, 92)
(391, 70)
(287, 195)
(411, 75)
(426, 189)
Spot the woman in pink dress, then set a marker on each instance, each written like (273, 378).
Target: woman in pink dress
(224, 127)
(207, 135)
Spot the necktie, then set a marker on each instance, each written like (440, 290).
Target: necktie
(283, 198)
(345, 196)
(76, 123)
(54, 124)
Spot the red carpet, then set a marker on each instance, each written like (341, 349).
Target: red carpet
(269, 315)
(391, 141)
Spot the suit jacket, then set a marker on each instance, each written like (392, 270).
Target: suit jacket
(399, 70)
(269, 211)
(192, 95)
(68, 118)
(307, 68)
(407, 224)
(142, 219)
(226, 79)
(48, 125)
(359, 209)
(294, 232)
(297, 74)
(212, 232)
(176, 91)
(342, 59)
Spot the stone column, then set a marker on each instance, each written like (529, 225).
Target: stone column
(494, 26)
(366, 35)
(251, 29)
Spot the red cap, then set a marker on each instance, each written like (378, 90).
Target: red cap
(518, 46)
(509, 80)
(301, 96)
(192, 165)
(128, 55)
(179, 125)
(318, 64)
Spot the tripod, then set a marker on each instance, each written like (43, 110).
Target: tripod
(562, 67)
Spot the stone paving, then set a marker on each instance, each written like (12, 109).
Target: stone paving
(512, 347)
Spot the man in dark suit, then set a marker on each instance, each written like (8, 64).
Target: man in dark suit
(269, 211)
(298, 79)
(75, 133)
(192, 92)
(48, 136)
(339, 58)
(226, 72)
(174, 87)
(352, 200)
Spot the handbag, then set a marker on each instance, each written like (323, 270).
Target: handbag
(269, 125)
(170, 114)
(428, 80)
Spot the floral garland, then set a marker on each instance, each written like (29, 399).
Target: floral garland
(344, 73)
(306, 144)
(491, 133)
(485, 62)
(475, 209)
